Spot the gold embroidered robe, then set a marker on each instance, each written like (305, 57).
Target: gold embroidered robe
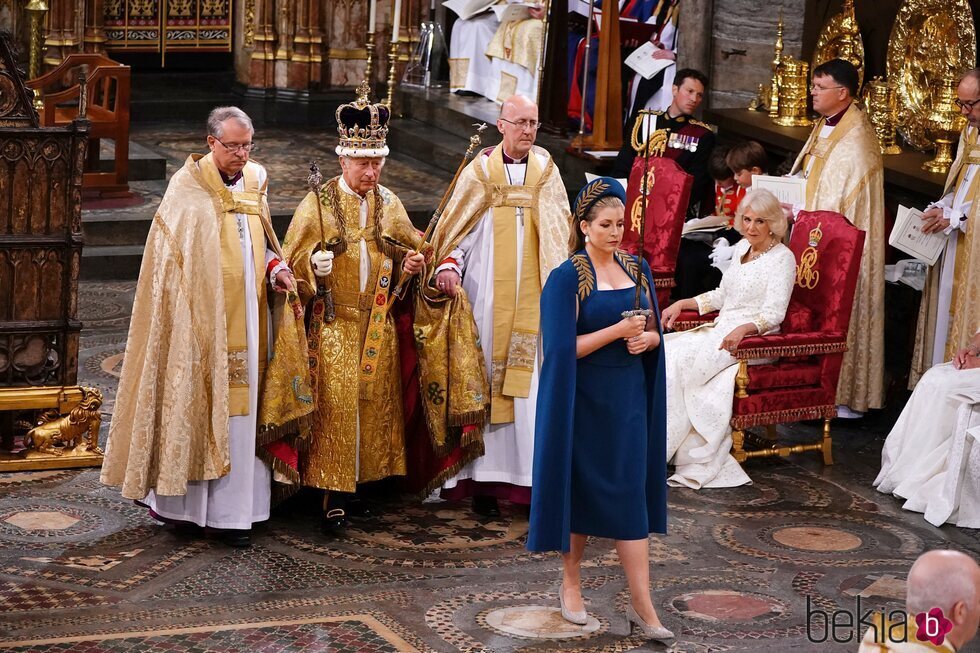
(964, 307)
(180, 380)
(847, 177)
(358, 433)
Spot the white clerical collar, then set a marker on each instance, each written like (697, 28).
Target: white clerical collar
(347, 189)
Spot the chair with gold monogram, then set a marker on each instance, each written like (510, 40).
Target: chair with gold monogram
(802, 383)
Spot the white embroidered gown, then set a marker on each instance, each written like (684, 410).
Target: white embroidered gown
(701, 377)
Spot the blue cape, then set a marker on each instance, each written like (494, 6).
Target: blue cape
(553, 429)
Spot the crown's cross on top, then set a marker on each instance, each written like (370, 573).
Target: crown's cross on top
(363, 91)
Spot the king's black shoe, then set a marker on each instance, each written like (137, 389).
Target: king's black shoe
(334, 522)
(486, 506)
(237, 538)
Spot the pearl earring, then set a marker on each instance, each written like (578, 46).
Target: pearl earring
(586, 238)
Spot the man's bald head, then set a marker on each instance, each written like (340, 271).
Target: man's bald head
(518, 124)
(949, 580)
(968, 96)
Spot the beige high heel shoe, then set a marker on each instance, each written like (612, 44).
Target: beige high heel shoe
(658, 633)
(577, 617)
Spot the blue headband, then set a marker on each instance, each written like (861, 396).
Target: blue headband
(594, 191)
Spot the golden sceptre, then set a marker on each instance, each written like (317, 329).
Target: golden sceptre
(324, 294)
(399, 290)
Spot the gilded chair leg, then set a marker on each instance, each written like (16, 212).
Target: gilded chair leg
(828, 457)
(742, 380)
(738, 444)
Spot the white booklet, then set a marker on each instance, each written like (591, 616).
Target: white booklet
(641, 60)
(707, 223)
(788, 190)
(513, 11)
(907, 236)
(468, 8)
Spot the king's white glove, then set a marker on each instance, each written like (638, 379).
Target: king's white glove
(322, 263)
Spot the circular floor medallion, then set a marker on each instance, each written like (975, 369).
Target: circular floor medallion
(537, 622)
(727, 606)
(816, 538)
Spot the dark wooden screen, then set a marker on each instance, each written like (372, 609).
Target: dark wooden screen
(40, 238)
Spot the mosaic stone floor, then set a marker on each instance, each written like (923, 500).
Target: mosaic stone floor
(741, 570)
(286, 153)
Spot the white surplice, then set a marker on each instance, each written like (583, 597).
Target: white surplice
(956, 206)
(472, 70)
(931, 457)
(241, 497)
(701, 377)
(509, 447)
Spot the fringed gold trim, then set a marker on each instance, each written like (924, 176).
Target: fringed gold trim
(469, 455)
(281, 492)
(664, 282)
(741, 422)
(268, 434)
(475, 417)
(750, 353)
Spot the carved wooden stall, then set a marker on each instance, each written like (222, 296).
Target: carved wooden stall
(47, 420)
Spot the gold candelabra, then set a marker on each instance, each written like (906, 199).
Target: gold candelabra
(369, 64)
(882, 112)
(943, 125)
(36, 9)
(793, 86)
(777, 60)
(393, 59)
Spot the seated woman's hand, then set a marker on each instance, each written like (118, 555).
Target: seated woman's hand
(730, 343)
(631, 327)
(966, 359)
(669, 315)
(642, 343)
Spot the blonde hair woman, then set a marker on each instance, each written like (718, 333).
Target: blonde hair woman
(751, 299)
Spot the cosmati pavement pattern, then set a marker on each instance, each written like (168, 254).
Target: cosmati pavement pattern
(81, 569)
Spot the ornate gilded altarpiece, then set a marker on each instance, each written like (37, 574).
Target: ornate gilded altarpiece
(840, 38)
(168, 26)
(40, 252)
(931, 39)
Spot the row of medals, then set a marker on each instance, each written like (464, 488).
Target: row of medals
(682, 142)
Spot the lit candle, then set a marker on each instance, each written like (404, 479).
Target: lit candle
(372, 20)
(396, 19)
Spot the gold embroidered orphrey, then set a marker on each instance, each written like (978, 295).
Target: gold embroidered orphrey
(930, 39)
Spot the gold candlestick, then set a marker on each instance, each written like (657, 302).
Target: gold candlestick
(393, 58)
(35, 11)
(774, 80)
(369, 64)
(882, 113)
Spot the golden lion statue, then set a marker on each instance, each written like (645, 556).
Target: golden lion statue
(76, 431)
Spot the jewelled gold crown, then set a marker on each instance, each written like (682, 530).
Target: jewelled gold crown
(815, 236)
(362, 126)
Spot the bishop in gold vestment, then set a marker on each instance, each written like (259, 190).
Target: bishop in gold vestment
(951, 299)
(358, 431)
(842, 166)
(506, 227)
(201, 394)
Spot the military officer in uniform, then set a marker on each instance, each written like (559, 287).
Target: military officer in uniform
(690, 142)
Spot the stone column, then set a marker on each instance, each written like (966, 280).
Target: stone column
(285, 22)
(261, 71)
(94, 39)
(65, 29)
(346, 32)
(694, 37)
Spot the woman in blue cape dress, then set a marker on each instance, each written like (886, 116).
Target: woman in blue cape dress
(600, 432)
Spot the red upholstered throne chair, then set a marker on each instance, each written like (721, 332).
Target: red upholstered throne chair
(802, 383)
(669, 192)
